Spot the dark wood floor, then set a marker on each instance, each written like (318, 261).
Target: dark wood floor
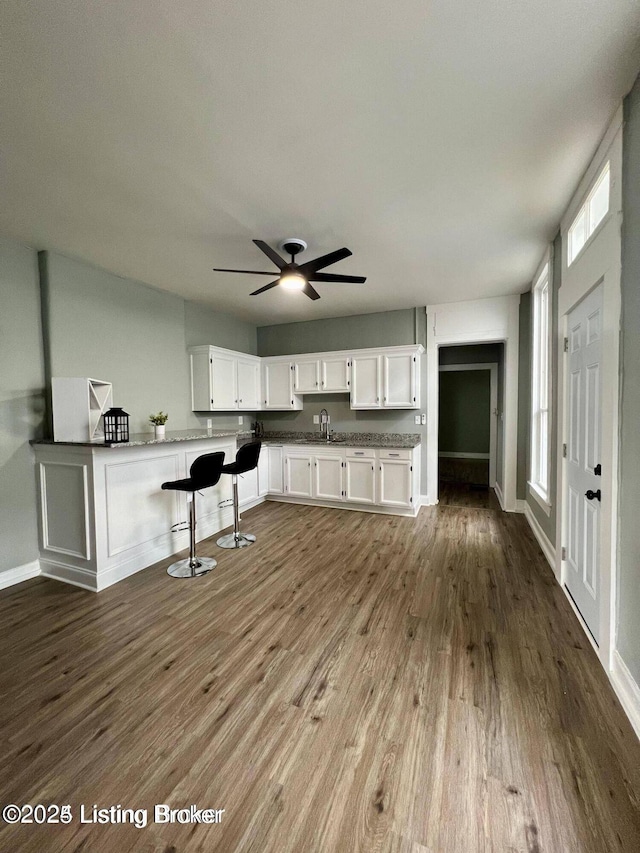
(353, 682)
(467, 495)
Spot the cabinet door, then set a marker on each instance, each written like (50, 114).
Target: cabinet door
(223, 382)
(248, 384)
(263, 472)
(297, 475)
(275, 471)
(394, 483)
(360, 480)
(201, 397)
(334, 374)
(399, 381)
(248, 487)
(278, 392)
(306, 378)
(365, 382)
(327, 478)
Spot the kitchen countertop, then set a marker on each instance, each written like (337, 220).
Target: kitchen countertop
(396, 440)
(141, 438)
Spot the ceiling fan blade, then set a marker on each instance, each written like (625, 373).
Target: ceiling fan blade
(310, 291)
(347, 279)
(249, 272)
(266, 287)
(311, 267)
(271, 254)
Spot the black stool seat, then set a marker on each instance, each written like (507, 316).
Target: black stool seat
(246, 460)
(204, 473)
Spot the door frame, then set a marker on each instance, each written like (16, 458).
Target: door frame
(602, 255)
(492, 367)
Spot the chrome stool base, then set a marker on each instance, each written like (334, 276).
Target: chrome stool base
(185, 569)
(236, 540)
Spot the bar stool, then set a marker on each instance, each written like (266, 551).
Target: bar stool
(204, 473)
(246, 460)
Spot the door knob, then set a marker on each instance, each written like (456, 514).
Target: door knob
(589, 495)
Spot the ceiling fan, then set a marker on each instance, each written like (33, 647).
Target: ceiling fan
(295, 276)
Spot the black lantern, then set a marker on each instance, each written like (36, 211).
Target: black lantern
(116, 426)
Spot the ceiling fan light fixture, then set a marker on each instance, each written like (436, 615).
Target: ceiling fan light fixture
(293, 281)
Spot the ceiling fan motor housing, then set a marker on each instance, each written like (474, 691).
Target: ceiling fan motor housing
(292, 246)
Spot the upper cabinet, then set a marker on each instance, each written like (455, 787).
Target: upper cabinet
(390, 380)
(384, 378)
(223, 380)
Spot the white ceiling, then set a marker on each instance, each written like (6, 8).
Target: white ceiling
(440, 141)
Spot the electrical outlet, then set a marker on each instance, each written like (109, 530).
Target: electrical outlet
(316, 419)
(423, 419)
(209, 423)
(416, 419)
(240, 420)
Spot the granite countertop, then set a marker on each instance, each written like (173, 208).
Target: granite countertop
(396, 440)
(141, 438)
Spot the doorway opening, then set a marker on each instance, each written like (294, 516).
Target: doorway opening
(470, 429)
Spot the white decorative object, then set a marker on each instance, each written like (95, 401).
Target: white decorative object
(159, 430)
(78, 405)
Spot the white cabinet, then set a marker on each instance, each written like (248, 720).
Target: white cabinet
(360, 477)
(248, 487)
(327, 470)
(223, 380)
(334, 374)
(275, 468)
(395, 480)
(365, 382)
(263, 471)
(399, 380)
(278, 386)
(297, 475)
(387, 381)
(78, 406)
(306, 376)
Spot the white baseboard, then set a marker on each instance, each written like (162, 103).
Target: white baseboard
(520, 506)
(543, 540)
(69, 574)
(627, 690)
(9, 577)
(499, 495)
(427, 500)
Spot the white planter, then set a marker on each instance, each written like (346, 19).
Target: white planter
(159, 430)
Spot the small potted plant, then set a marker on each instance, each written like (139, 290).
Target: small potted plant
(158, 422)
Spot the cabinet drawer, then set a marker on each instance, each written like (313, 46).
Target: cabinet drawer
(360, 452)
(405, 453)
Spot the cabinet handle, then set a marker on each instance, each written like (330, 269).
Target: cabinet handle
(394, 454)
(358, 452)
(377, 399)
(385, 399)
(316, 383)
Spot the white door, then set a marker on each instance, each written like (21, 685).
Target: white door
(306, 376)
(365, 382)
(334, 374)
(297, 476)
(582, 573)
(223, 382)
(277, 385)
(275, 469)
(327, 478)
(398, 381)
(394, 483)
(248, 384)
(263, 471)
(360, 480)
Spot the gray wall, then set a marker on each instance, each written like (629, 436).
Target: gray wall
(548, 522)
(628, 603)
(464, 404)
(21, 402)
(524, 394)
(106, 327)
(390, 328)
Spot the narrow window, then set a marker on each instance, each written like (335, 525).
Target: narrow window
(590, 215)
(541, 378)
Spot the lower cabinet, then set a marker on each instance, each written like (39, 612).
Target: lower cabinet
(263, 472)
(248, 487)
(361, 479)
(395, 480)
(327, 477)
(297, 475)
(275, 469)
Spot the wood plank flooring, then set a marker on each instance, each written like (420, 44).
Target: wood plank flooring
(352, 682)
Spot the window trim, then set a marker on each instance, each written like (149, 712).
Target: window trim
(541, 391)
(585, 208)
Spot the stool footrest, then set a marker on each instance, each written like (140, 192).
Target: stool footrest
(227, 502)
(179, 526)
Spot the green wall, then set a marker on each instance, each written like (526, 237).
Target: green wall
(464, 411)
(21, 402)
(628, 604)
(524, 394)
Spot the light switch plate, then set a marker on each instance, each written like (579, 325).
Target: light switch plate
(316, 419)
(416, 419)
(209, 423)
(240, 419)
(423, 419)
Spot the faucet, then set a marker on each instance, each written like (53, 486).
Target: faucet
(325, 420)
